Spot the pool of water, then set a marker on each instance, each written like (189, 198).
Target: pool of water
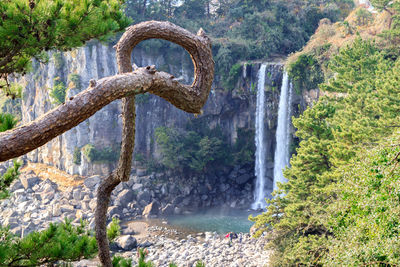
(220, 221)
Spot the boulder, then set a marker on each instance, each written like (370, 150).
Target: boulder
(151, 209)
(92, 181)
(144, 196)
(77, 194)
(126, 242)
(16, 185)
(125, 197)
(137, 186)
(29, 181)
(113, 210)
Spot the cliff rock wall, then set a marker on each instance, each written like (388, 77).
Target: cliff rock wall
(228, 109)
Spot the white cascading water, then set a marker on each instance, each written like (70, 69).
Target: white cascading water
(259, 191)
(281, 159)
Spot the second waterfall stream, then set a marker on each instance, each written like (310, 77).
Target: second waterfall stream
(281, 157)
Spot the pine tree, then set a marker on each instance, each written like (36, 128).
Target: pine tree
(30, 28)
(361, 109)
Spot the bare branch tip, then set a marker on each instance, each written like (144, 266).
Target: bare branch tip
(92, 83)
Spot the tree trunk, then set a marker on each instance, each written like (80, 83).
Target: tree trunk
(126, 85)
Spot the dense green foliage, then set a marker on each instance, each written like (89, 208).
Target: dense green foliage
(58, 242)
(365, 217)
(7, 178)
(200, 147)
(28, 28)
(243, 30)
(58, 92)
(93, 154)
(7, 121)
(360, 111)
(305, 73)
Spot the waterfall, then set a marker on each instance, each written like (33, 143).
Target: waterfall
(259, 191)
(281, 159)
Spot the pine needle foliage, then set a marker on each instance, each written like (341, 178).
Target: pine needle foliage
(28, 28)
(59, 242)
(7, 121)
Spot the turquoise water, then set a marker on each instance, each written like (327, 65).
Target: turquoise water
(214, 221)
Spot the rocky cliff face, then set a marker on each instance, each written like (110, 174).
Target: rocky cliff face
(230, 110)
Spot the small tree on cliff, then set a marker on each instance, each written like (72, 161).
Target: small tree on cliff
(126, 85)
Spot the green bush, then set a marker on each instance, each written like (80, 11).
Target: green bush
(77, 156)
(58, 92)
(94, 155)
(305, 73)
(58, 242)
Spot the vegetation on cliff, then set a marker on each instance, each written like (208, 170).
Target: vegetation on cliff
(243, 30)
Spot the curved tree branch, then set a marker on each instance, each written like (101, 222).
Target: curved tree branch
(189, 98)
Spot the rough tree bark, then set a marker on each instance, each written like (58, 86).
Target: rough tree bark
(126, 85)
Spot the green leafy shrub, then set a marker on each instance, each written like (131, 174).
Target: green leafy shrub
(233, 76)
(58, 92)
(365, 215)
(118, 261)
(113, 230)
(76, 158)
(95, 155)
(305, 73)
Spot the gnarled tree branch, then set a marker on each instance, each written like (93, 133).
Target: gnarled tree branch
(127, 84)
(188, 98)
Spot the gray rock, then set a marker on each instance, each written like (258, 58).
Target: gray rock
(16, 185)
(144, 196)
(77, 194)
(141, 172)
(92, 204)
(113, 210)
(126, 242)
(28, 229)
(92, 181)
(67, 208)
(29, 182)
(137, 186)
(145, 244)
(125, 197)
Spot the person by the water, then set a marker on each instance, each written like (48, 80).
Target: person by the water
(231, 235)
